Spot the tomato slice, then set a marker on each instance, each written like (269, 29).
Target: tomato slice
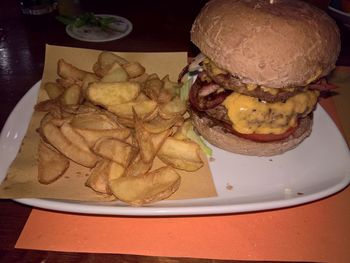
(266, 137)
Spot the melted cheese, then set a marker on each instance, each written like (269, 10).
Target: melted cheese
(213, 68)
(316, 76)
(251, 87)
(270, 90)
(249, 115)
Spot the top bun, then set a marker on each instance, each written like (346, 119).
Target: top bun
(285, 44)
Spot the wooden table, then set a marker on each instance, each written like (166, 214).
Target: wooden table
(158, 26)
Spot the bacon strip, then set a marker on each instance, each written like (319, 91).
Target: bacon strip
(208, 89)
(204, 96)
(322, 85)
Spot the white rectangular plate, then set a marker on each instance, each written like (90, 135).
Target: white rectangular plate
(317, 168)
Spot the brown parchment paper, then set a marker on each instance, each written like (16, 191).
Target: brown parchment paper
(21, 180)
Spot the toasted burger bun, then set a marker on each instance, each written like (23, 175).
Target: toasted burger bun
(217, 136)
(285, 44)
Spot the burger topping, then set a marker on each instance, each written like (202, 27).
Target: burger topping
(251, 115)
(214, 117)
(266, 137)
(206, 95)
(268, 94)
(322, 85)
(208, 89)
(228, 81)
(213, 68)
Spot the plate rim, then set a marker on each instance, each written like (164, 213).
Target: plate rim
(339, 11)
(85, 208)
(127, 32)
(71, 207)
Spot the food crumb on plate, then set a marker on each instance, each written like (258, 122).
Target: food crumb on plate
(229, 186)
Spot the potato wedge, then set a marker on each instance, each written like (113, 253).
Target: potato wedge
(66, 82)
(182, 164)
(143, 109)
(102, 174)
(71, 95)
(181, 133)
(74, 137)
(98, 178)
(76, 110)
(152, 88)
(144, 141)
(153, 76)
(169, 90)
(53, 90)
(51, 163)
(107, 94)
(115, 150)
(94, 121)
(52, 106)
(46, 119)
(138, 167)
(126, 122)
(55, 137)
(68, 71)
(159, 124)
(140, 79)
(181, 154)
(150, 143)
(141, 97)
(115, 171)
(175, 107)
(106, 59)
(144, 189)
(134, 69)
(92, 136)
(158, 139)
(86, 82)
(115, 74)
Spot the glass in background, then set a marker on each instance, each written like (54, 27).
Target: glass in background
(37, 7)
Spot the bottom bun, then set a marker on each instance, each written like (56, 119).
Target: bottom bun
(216, 135)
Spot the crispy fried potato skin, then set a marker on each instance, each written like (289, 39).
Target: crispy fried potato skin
(116, 120)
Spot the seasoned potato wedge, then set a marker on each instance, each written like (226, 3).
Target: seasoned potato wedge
(94, 121)
(98, 178)
(173, 108)
(143, 109)
(92, 136)
(158, 124)
(71, 95)
(107, 94)
(122, 122)
(134, 69)
(68, 71)
(51, 163)
(138, 167)
(151, 187)
(55, 137)
(181, 154)
(115, 74)
(115, 150)
(53, 89)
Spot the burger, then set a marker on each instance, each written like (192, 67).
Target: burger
(260, 73)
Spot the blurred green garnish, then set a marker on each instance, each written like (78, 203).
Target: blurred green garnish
(87, 19)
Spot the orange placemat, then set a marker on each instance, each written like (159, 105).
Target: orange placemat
(318, 231)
